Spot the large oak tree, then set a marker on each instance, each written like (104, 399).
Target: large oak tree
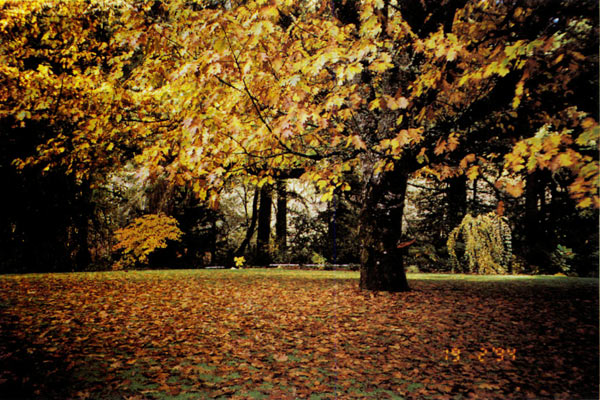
(209, 91)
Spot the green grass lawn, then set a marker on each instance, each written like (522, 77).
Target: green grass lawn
(258, 333)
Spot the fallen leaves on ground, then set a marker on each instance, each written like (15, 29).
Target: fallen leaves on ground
(294, 334)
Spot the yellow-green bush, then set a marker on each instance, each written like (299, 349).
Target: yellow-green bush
(487, 244)
(141, 237)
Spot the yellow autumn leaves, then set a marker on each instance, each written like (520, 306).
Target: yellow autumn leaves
(487, 240)
(142, 237)
(552, 150)
(202, 88)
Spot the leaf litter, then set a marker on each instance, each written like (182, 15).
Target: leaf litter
(283, 334)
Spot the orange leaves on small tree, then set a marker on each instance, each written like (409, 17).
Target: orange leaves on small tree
(144, 235)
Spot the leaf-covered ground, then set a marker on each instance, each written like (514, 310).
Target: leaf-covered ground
(295, 334)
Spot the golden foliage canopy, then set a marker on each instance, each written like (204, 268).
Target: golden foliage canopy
(249, 90)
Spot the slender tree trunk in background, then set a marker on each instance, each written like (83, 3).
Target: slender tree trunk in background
(554, 211)
(212, 245)
(535, 237)
(532, 217)
(332, 227)
(474, 199)
(251, 226)
(264, 226)
(381, 231)
(281, 222)
(456, 197)
(83, 257)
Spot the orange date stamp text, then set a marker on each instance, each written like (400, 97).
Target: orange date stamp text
(485, 354)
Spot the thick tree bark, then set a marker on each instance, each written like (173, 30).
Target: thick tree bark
(281, 222)
(264, 226)
(381, 230)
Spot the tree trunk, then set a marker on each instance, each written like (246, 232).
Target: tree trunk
(474, 198)
(333, 228)
(251, 227)
(456, 197)
(537, 242)
(281, 222)
(381, 231)
(84, 257)
(264, 226)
